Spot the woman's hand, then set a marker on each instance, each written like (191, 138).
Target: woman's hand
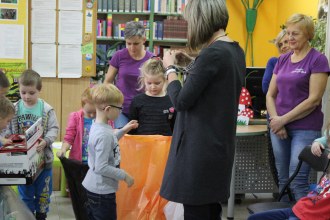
(169, 58)
(276, 124)
(317, 148)
(282, 134)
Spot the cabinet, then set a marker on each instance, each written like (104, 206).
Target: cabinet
(163, 20)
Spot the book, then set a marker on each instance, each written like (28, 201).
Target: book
(99, 5)
(133, 5)
(115, 4)
(109, 5)
(121, 6)
(109, 25)
(104, 5)
(127, 7)
(139, 5)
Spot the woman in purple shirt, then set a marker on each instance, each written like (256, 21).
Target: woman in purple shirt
(294, 102)
(124, 67)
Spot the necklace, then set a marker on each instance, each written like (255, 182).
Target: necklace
(218, 38)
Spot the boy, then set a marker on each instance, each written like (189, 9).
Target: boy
(27, 111)
(7, 112)
(4, 84)
(101, 181)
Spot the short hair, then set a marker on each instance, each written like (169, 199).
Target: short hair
(204, 17)
(30, 78)
(152, 67)
(279, 37)
(106, 94)
(86, 96)
(134, 28)
(6, 108)
(305, 22)
(4, 82)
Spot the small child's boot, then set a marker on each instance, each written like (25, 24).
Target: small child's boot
(41, 216)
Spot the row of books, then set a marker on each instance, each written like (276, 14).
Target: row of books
(160, 6)
(105, 28)
(123, 6)
(162, 30)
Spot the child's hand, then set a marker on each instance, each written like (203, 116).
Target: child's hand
(61, 153)
(42, 144)
(5, 141)
(317, 148)
(129, 180)
(133, 124)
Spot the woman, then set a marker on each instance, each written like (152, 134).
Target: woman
(294, 102)
(282, 45)
(199, 166)
(125, 64)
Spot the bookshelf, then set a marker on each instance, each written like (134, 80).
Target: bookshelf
(154, 13)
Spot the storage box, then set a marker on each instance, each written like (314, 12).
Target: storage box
(20, 163)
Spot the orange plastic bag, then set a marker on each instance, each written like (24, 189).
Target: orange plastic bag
(144, 157)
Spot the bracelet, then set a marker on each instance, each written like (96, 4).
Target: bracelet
(170, 69)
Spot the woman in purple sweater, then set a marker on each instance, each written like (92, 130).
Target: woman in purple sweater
(124, 67)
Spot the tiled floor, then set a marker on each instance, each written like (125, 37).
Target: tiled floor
(61, 208)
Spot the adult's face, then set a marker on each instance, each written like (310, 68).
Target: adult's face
(135, 45)
(298, 38)
(283, 44)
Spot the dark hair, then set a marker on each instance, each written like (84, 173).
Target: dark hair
(30, 78)
(6, 107)
(4, 82)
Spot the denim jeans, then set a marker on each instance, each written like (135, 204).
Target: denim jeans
(286, 154)
(101, 206)
(121, 121)
(275, 214)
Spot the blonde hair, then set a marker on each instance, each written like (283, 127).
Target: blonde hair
(106, 94)
(305, 22)
(6, 107)
(86, 96)
(279, 37)
(152, 67)
(204, 17)
(30, 78)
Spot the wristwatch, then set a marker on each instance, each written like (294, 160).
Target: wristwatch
(170, 69)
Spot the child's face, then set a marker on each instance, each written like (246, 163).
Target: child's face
(4, 91)
(154, 84)
(89, 110)
(113, 111)
(29, 95)
(5, 121)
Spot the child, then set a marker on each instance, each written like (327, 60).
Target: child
(7, 112)
(77, 130)
(27, 111)
(315, 205)
(4, 84)
(152, 109)
(101, 181)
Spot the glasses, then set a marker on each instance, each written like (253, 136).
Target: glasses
(117, 107)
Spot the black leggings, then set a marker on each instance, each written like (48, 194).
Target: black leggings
(211, 211)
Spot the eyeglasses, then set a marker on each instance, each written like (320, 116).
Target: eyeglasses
(117, 107)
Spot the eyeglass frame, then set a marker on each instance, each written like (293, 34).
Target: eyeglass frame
(117, 107)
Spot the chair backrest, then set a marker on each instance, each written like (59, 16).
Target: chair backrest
(317, 163)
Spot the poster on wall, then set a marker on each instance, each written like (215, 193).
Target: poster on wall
(13, 71)
(11, 41)
(8, 14)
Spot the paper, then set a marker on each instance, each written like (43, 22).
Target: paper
(89, 21)
(70, 5)
(11, 41)
(42, 4)
(69, 61)
(87, 49)
(70, 27)
(44, 59)
(43, 26)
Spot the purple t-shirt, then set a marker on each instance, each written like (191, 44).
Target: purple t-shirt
(128, 73)
(293, 87)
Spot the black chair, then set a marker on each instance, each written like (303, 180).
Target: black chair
(316, 163)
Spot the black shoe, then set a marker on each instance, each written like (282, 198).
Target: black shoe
(41, 216)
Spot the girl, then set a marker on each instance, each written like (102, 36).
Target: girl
(153, 109)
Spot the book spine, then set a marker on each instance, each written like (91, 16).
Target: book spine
(109, 5)
(115, 5)
(133, 5)
(104, 28)
(99, 5)
(121, 6)
(104, 5)
(139, 5)
(109, 25)
(127, 6)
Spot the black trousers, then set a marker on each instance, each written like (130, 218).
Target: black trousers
(211, 211)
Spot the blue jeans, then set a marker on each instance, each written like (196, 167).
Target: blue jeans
(286, 154)
(121, 121)
(37, 195)
(275, 214)
(101, 206)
